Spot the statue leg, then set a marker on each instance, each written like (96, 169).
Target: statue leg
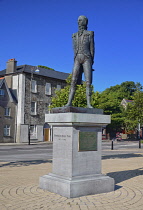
(87, 67)
(88, 95)
(71, 95)
(75, 75)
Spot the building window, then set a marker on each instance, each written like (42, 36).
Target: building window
(34, 86)
(58, 87)
(7, 111)
(7, 130)
(48, 89)
(33, 108)
(1, 92)
(33, 131)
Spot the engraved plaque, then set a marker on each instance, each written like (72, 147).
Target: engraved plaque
(87, 141)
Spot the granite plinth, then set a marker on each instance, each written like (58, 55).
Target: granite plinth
(76, 110)
(79, 186)
(76, 169)
(78, 119)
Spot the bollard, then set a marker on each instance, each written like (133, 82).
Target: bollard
(28, 135)
(112, 145)
(139, 143)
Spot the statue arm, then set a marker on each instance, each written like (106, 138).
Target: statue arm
(74, 43)
(92, 45)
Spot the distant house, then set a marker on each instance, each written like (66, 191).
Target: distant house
(8, 104)
(125, 102)
(25, 95)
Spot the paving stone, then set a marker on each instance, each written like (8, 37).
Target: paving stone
(19, 188)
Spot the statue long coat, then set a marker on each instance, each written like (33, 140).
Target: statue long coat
(87, 45)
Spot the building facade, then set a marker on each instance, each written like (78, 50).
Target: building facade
(7, 113)
(31, 89)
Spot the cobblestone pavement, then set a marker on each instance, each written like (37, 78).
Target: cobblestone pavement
(19, 187)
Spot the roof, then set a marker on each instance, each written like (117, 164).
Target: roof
(43, 72)
(2, 73)
(1, 81)
(128, 101)
(9, 91)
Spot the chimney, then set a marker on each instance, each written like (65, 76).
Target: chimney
(11, 66)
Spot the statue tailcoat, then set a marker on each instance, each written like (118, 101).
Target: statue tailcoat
(87, 44)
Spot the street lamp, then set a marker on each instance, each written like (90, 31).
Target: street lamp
(33, 70)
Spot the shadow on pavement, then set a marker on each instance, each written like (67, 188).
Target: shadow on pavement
(121, 156)
(117, 187)
(24, 163)
(121, 176)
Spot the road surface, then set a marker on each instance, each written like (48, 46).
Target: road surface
(43, 151)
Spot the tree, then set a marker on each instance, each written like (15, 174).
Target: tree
(117, 123)
(109, 100)
(46, 67)
(61, 96)
(134, 111)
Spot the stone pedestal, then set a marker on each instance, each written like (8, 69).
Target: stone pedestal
(77, 155)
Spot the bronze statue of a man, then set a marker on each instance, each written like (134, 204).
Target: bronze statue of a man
(83, 44)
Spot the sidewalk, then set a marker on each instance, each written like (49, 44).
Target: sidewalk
(20, 144)
(19, 187)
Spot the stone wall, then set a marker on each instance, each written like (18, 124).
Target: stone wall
(40, 97)
(21, 112)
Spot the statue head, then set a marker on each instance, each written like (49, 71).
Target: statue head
(82, 21)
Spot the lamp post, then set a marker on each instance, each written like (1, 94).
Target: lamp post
(33, 70)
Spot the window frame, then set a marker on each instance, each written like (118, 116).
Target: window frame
(58, 87)
(33, 83)
(49, 86)
(35, 108)
(2, 92)
(6, 130)
(7, 111)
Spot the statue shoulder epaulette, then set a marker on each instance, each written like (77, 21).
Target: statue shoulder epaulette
(91, 33)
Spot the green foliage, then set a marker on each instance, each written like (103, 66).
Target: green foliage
(110, 101)
(134, 111)
(68, 80)
(61, 96)
(95, 99)
(46, 67)
(80, 96)
(117, 123)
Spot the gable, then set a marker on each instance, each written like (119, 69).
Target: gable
(3, 86)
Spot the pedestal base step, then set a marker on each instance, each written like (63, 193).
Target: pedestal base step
(81, 186)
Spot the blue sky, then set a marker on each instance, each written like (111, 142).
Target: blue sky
(39, 32)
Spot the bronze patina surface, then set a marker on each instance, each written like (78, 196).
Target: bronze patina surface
(87, 141)
(83, 45)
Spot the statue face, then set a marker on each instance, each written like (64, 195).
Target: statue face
(82, 21)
